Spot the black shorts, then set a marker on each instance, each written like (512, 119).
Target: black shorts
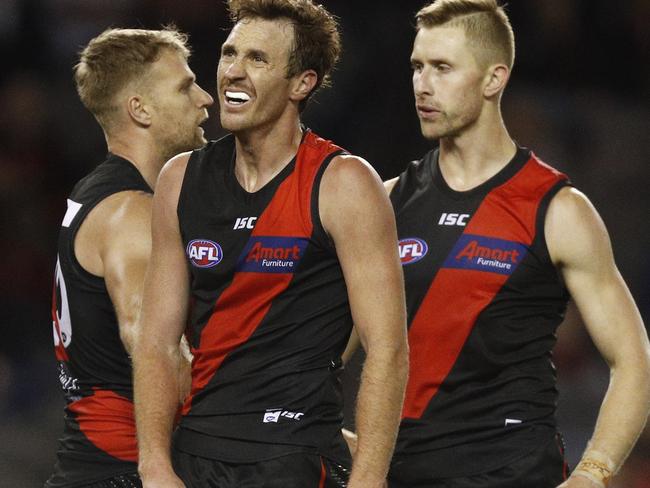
(300, 470)
(122, 481)
(543, 468)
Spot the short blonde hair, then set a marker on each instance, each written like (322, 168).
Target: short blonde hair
(116, 58)
(485, 23)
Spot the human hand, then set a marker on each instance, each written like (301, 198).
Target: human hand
(578, 481)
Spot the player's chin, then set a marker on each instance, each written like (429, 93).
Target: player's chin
(197, 139)
(429, 134)
(433, 132)
(196, 142)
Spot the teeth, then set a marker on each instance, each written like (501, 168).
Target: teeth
(239, 97)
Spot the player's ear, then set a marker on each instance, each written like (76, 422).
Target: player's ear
(496, 79)
(303, 84)
(138, 110)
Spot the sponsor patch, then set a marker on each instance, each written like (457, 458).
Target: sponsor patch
(204, 253)
(270, 254)
(453, 219)
(412, 249)
(274, 415)
(486, 254)
(244, 223)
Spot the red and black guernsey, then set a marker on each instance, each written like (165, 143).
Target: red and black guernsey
(270, 316)
(98, 440)
(484, 302)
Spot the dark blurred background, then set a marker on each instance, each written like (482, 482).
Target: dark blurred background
(579, 96)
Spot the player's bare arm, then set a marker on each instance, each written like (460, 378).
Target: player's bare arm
(580, 247)
(357, 214)
(157, 355)
(354, 342)
(115, 242)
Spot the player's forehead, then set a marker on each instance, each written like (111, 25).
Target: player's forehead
(170, 66)
(440, 42)
(272, 36)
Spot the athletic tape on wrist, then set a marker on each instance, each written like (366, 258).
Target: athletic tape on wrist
(598, 471)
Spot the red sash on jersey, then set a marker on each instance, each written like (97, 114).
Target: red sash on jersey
(456, 297)
(245, 302)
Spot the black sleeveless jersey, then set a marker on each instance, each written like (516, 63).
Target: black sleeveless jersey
(484, 302)
(94, 369)
(270, 316)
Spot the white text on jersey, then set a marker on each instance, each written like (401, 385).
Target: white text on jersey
(453, 219)
(274, 415)
(244, 223)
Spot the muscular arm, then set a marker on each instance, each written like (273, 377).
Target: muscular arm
(580, 247)
(125, 253)
(354, 342)
(114, 242)
(157, 355)
(356, 213)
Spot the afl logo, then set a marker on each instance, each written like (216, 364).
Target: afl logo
(412, 250)
(204, 253)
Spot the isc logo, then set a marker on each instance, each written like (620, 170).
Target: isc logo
(204, 253)
(273, 416)
(412, 249)
(244, 223)
(453, 219)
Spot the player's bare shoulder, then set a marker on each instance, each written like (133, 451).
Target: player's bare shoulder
(122, 216)
(351, 193)
(347, 173)
(573, 225)
(171, 176)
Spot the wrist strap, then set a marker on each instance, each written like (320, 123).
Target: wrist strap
(597, 467)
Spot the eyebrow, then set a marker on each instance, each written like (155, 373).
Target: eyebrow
(430, 61)
(257, 52)
(229, 48)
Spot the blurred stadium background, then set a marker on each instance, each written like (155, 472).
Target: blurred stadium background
(579, 96)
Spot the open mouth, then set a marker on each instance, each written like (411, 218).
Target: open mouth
(236, 97)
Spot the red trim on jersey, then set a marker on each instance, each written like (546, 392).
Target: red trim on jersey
(59, 350)
(456, 297)
(108, 421)
(242, 306)
(323, 474)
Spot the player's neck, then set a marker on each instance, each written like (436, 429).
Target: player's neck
(262, 153)
(147, 159)
(473, 157)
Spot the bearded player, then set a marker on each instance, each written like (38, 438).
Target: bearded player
(140, 89)
(273, 240)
